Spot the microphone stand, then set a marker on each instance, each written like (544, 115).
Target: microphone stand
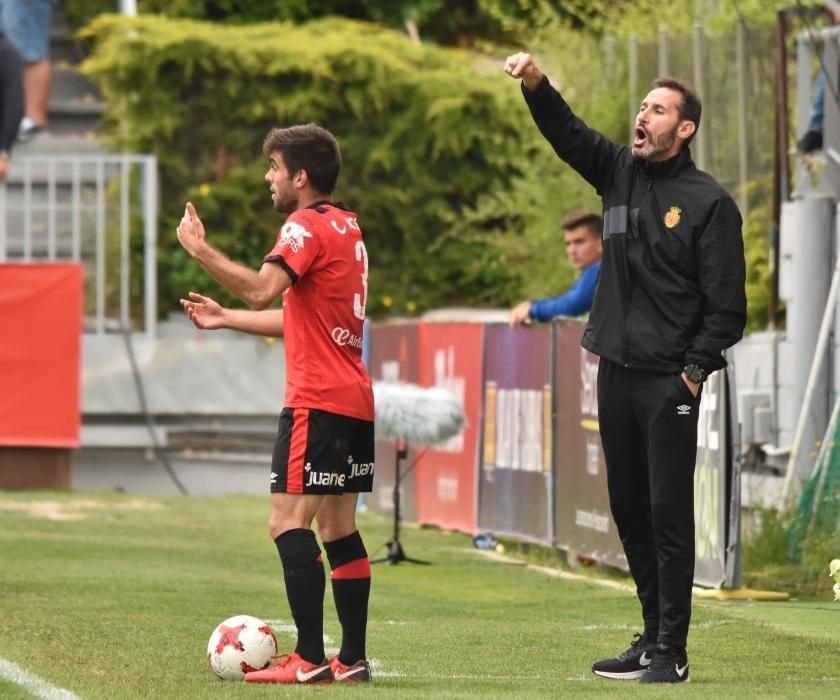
(396, 553)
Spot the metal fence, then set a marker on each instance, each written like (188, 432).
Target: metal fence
(100, 210)
(733, 73)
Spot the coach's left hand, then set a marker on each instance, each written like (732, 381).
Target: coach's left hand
(693, 387)
(191, 234)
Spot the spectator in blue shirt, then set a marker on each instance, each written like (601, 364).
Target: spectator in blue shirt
(583, 246)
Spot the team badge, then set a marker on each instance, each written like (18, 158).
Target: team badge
(672, 218)
(294, 234)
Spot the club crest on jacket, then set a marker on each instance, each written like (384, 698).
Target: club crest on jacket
(672, 218)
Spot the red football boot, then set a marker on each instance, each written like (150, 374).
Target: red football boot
(359, 672)
(292, 669)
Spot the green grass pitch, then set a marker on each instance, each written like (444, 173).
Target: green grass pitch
(115, 596)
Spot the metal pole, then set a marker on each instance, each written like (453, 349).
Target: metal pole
(609, 56)
(51, 233)
(76, 209)
(150, 203)
(803, 84)
(741, 60)
(698, 46)
(633, 81)
(125, 247)
(27, 210)
(663, 50)
(100, 245)
(781, 165)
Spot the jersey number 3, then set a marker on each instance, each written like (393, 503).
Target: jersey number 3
(359, 300)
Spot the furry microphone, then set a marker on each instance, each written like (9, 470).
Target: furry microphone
(416, 414)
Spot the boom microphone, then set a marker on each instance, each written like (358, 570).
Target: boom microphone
(419, 415)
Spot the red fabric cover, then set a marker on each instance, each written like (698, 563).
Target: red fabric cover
(40, 340)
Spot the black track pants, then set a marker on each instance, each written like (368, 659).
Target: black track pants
(649, 435)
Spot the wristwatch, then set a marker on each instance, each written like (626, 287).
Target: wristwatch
(694, 374)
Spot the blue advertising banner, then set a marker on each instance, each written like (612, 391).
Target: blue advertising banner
(515, 477)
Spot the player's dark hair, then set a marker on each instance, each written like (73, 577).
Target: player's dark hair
(689, 107)
(583, 217)
(307, 147)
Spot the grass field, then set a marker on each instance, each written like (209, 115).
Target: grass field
(113, 596)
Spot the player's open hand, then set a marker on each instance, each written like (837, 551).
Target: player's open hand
(191, 234)
(521, 65)
(203, 311)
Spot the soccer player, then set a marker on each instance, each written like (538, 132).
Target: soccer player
(323, 456)
(670, 300)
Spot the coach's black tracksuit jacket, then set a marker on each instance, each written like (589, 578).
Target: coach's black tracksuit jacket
(670, 293)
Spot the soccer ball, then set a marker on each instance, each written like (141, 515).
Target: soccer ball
(240, 644)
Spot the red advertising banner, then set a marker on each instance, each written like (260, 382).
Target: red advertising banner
(447, 474)
(40, 338)
(393, 358)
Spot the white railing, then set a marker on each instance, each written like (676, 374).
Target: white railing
(80, 208)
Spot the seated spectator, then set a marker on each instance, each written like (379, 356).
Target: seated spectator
(583, 246)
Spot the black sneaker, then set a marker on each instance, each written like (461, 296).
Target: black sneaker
(629, 665)
(812, 140)
(670, 665)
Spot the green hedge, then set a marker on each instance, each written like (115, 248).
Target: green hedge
(425, 133)
(453, 22)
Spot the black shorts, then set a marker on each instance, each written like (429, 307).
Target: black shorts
(322, 452)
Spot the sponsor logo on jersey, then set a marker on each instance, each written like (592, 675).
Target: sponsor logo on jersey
(361, 469)
(324, 479)
(683, 410)
(293, 235)
(342, 336)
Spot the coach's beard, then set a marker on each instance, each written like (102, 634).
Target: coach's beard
(658, 144)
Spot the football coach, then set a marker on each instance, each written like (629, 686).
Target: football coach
(670, 299)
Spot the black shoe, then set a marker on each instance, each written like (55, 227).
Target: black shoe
(629, 665)
(670, 665)
(812, 140)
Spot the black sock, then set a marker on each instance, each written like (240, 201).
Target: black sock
(351, 591)
(306, 582)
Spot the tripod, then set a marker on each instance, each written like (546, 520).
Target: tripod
(396, 554)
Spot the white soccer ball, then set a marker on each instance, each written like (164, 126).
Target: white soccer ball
(240, 644)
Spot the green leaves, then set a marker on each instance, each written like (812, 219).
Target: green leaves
(423, 133)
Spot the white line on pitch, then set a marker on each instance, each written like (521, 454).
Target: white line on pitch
(286, 628)
(29, 681)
